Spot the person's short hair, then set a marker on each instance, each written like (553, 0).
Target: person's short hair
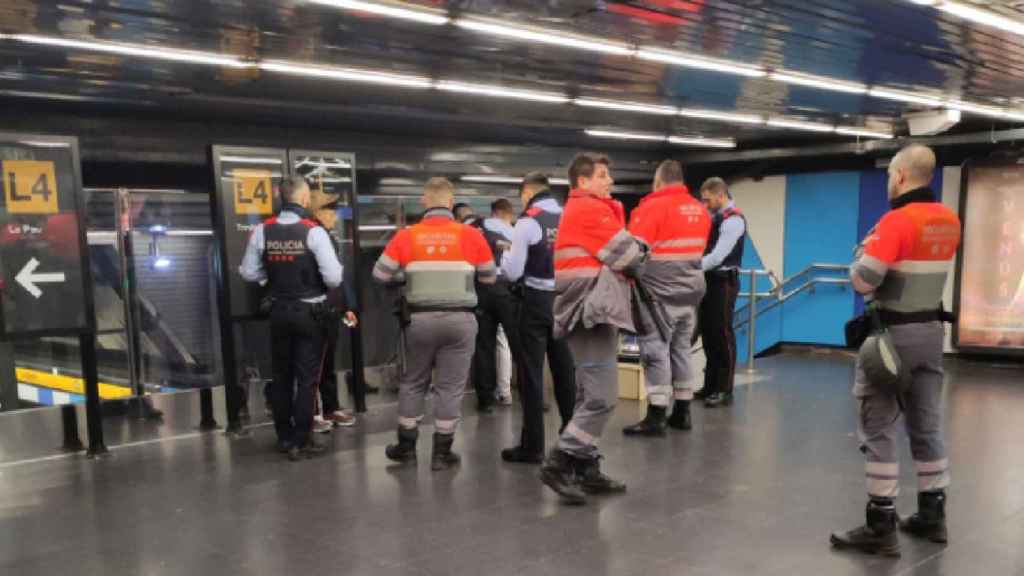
(669, 172)
(439, 190)
(716, 185)
(583, 166)
(538, 179)
(292, 187)
(502, 206)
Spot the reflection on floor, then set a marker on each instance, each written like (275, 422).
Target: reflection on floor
(754, 489)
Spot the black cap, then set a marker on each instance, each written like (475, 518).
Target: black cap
(539, 178)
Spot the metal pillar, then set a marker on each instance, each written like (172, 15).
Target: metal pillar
(90, 374)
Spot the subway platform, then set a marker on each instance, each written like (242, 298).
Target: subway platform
(755, 489)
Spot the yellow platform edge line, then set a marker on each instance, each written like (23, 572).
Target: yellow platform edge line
(68, 383)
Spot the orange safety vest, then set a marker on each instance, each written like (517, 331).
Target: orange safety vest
(673, 223)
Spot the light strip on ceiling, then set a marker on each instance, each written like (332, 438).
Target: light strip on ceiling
(386, 10)
(863, 132)
(721, 116)
(627, 106)
(155, 52)
(705, 142)
(296, 69)
(624, 135)
(677, 140)
(491, 179)
(543, 36)
(688, 61)
(501, 92)
(800, 125)
(822, 82)
(907, 97)
(979, 16)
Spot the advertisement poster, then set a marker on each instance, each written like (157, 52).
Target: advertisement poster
(991, 305)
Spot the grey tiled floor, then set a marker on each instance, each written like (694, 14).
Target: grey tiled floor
(754, 489)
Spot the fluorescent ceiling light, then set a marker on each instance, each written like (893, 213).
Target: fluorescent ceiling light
(905, 97)
(980, 16)
(989, 111)
(386, 10)
(491, 179)
(706, 142)
(821, 82)
(249, 160)
(543, 36)
(625, 135)
(371, 77)
(628, 106)
(141, 50)
(501, 92)
(864, 132)
(723, 116)
(688, 61)
(799, 125)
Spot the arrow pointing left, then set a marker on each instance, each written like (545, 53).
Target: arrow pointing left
(28, 279)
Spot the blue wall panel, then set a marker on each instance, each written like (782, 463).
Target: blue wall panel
(768, 330)
(822, 214)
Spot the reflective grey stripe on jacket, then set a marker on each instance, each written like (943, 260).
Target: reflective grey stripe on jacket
(442, 284)
(907, 286)
(677, 283)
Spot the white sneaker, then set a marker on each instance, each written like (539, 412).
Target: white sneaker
(342, 418)
(321, 426)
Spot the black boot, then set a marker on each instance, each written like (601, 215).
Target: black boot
(718, 399)
(443, 458)
(930, 520)
(652, 425)
(877, 536)
(680, 418)
(592, 481)
(559, 475)
(310, 450)
(405, 450)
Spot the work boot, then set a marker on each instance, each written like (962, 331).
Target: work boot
(405, 450)
(521, 455)
(593, 481)
(930, 520)
(653, 423)
(558, 474)
(718, 399)
(680, 418)
(877, 536)
(443, 458)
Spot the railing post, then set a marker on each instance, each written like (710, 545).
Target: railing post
(753, 320)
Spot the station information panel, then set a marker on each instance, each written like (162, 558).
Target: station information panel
(43, 289)
(247, 182)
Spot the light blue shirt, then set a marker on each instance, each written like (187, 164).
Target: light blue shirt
(501, 227)
(318, 242)
(731, 231)
(527, 233)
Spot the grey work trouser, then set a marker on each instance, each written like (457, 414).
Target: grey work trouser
(441, 340)
(668, 368)
(920, 350)
(595, 352)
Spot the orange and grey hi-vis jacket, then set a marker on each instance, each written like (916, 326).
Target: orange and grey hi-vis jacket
(593, 255)
(906, 257)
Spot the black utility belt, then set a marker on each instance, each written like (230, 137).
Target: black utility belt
(297, 302)
(892, 318)
(724, 274)
(418, 309)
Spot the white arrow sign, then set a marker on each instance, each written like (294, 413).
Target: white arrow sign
(28, 280)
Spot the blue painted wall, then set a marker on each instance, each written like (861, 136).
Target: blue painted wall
(768, 330)
(822, 215)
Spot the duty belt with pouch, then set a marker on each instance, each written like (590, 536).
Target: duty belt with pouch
(879, 359)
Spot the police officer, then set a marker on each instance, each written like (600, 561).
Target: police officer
(296, 258)
(495, 308)
(902, 269)
(721, 267)
(593, 255)
(437, 261)
(675, 225)
(531, 262)
(331, 415)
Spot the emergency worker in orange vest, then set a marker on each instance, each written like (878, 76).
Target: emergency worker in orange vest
(675, 225)
(594, 254)
(436, 261)
(902, 267)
